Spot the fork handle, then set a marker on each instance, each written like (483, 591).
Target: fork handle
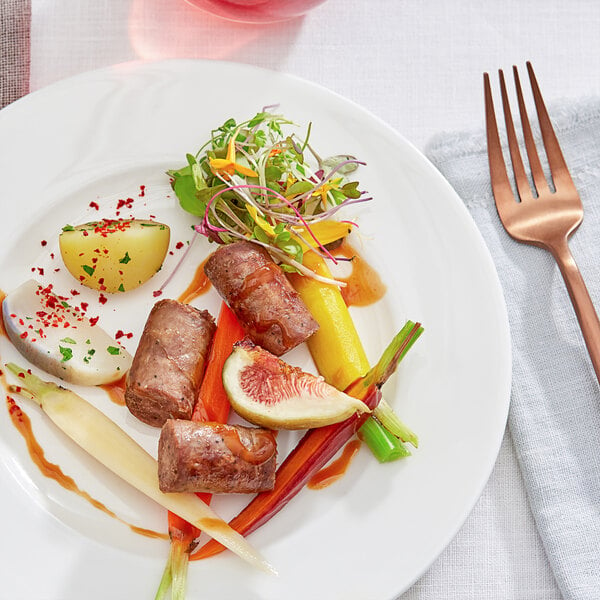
(580, 298)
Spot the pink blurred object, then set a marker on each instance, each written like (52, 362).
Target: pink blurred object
(256, 11)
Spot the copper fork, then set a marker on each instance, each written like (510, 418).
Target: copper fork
(541, 215)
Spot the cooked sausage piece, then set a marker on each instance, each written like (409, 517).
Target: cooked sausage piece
(210, 457)
(260, 295)
(169, 363)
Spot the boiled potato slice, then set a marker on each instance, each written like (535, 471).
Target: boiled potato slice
(114, 255)
(36, 320)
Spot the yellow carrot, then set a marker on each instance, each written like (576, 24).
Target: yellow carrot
(336, 347)
(340, 357)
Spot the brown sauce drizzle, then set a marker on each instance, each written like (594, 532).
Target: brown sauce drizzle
(116, 390)
(199, 285)
(261, 451)
(336, 469)
(363, 285)
(22, 424)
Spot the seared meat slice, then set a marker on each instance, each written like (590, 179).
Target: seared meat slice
(210, 457)
(260, 295)
(169, 363)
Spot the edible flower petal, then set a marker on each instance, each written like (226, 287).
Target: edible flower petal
(227, 166)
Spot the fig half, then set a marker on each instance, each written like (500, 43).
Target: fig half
(267, 391)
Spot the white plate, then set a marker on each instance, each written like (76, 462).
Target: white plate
(98, 137)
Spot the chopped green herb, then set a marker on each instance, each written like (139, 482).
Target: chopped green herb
(121, 288)
(68, 340)
(89, 270)
(68, 228)
(113, 350)
(67, 353)
(125, 259)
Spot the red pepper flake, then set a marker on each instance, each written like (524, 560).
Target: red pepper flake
(84, 306)
(127, 203)
(94, 205)
(23, 335)
(85, 233)
(102, 299)
(56, 270)
(93, 320)
(157, 293)
(179, 245)
(74, 293)
(52, 255)
(171, 252)
(40, 271)
(22, 375)
(142, 191)
(121, 334)
(43, 242)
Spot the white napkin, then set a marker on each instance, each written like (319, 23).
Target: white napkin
(15, 23)
(555, 408)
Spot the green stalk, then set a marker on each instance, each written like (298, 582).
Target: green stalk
(384, 446)
(389, 419)
(174, 576)
(383, 440)
(165, 582)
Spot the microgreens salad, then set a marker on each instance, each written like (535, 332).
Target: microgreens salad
(255, 181)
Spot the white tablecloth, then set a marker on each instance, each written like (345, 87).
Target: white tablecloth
(417, 65)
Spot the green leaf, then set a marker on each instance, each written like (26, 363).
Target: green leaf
(125, 259)
(256, 120)
(273, 173)
(261, 235)
(338, 196)
(299, 187)
(293, 248)
(186, 192)
(350, 190)
(260, 138)
(288, 268)
(175, 173)
(113, 350)
(89, 270)
(68, 228)
(284, 236)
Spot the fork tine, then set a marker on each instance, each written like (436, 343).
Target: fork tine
(558, 166)
(500, 182)
(513, 145)
(537, 173)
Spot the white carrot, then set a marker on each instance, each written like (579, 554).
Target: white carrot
(109, 444)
